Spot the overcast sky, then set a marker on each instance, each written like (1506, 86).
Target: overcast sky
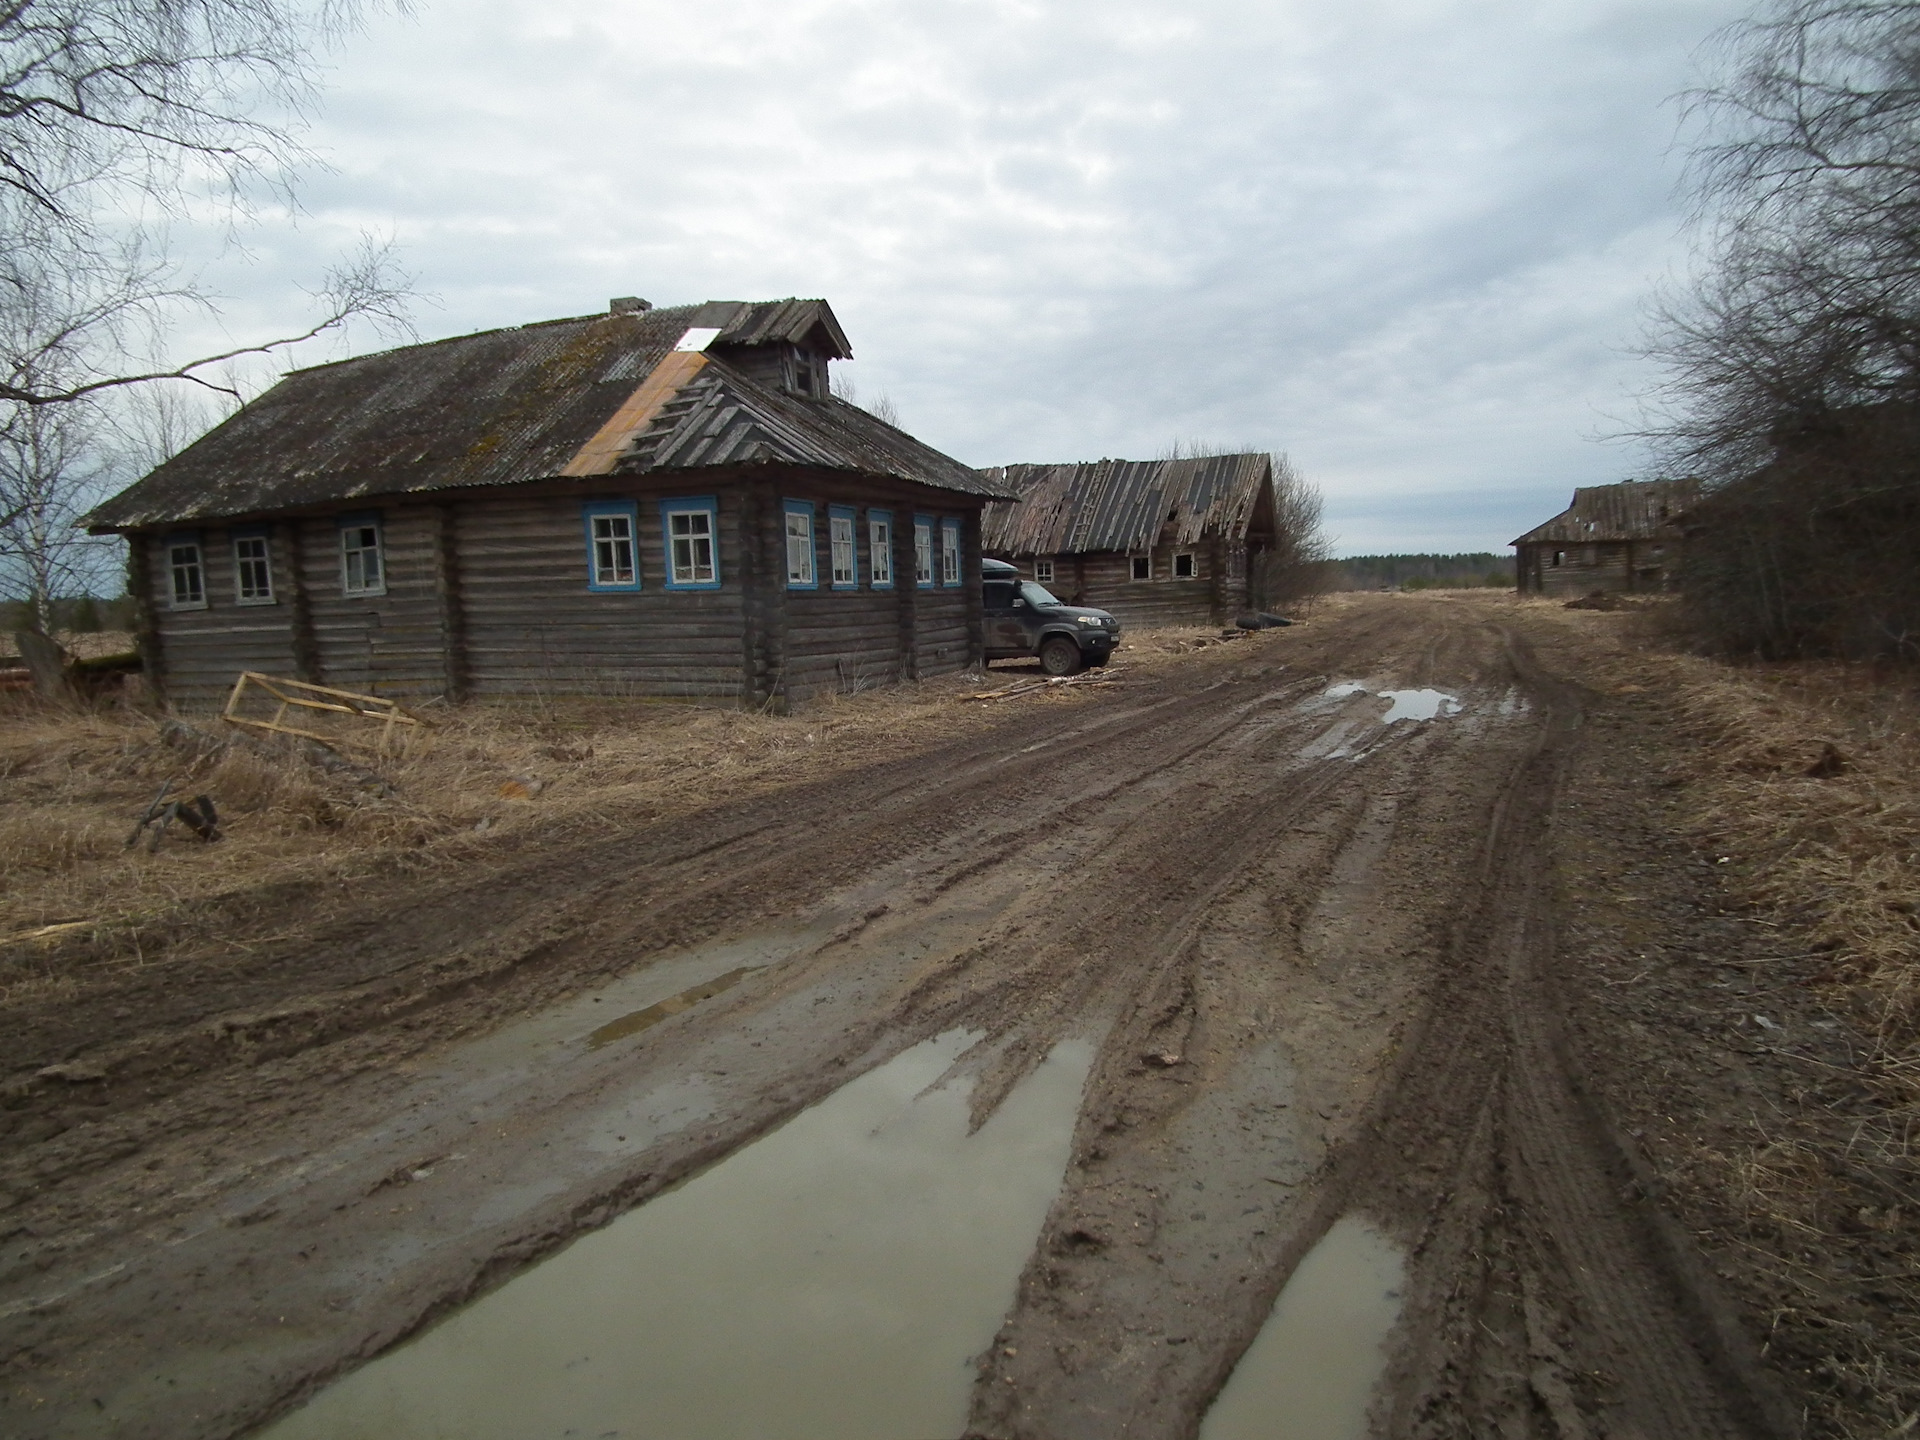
(1406, 243)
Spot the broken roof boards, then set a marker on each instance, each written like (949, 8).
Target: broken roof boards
(1157, 542)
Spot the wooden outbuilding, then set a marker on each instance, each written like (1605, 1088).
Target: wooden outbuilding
(648, 502)
(1624, 537)
(1156, 542)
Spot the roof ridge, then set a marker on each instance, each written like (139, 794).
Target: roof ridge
(495, 330)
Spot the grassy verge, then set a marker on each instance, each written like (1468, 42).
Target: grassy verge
(1802, 784)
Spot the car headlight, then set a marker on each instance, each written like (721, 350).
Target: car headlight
(1093, 620)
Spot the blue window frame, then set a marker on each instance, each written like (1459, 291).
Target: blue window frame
(923, 551)
(613, 544)
(949, 552)
(690, 530)
(843, 548)
(801, 560)
(363, 555)
(880, 549)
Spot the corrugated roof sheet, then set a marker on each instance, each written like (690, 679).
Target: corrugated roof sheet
(508, 406)
(1124, 504)
(1631, 510)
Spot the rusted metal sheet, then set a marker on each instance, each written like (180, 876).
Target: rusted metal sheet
(1124, 505)
(1631, 510)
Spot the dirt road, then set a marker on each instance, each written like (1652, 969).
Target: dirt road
(1316, 946)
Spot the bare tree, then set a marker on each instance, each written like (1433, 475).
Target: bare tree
(117, 118)
(1300, 566)
(47, 469)
(1800, 337)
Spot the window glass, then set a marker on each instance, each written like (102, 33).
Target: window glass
(690, 547)
(1043, 571)
(799, 547)
(1183, 567)
(923, 552)
(840, 536)
(612, 548)
(949, 553)
(1142, 567)
(183, 569)
(360, 570)
(880, 551)
(1037, 594)
(252, 570)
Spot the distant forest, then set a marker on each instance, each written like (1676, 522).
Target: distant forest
(1425, 572)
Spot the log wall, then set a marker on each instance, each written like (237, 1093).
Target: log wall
(488, 595)
(200, 653)
(1104, 581)
(1604, 566)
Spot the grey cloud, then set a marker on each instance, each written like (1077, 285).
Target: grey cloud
(1404, 241)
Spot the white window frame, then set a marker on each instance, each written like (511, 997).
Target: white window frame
(1043, 571)
(1193, 566)
(923, 552)
(949, 552)
(1134, 562)
(841, 547)
(687, 576)
(797, 523)
(245, 593)
(186, 559)
(351, 526)
(613, 533)
(880, 549)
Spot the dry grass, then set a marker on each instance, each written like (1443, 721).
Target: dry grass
(1804, 783)
(474, 783)
(82, 645)
(482, 779)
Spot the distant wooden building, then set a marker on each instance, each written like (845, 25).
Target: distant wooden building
(647, 502)
(1157, 542)
(1612, 537)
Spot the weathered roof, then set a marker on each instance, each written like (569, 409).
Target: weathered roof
(1631, 510)
(1124, 504)
(720, 417)
(508, 406)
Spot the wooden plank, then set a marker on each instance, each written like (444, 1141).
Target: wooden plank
(599, 455)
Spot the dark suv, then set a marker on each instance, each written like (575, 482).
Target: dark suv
(1024, 619)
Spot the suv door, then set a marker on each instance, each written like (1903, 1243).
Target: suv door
(1006, 635)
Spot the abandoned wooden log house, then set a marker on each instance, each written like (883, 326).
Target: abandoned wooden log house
(1623, 537)
(1157, 542)
(649, 502)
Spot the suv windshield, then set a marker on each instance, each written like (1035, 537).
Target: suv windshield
(1036, 594)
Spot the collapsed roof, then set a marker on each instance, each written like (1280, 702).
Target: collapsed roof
(1130, 505)
(1630, 510)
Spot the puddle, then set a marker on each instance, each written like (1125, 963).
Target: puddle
(1417, 705)
(1310, 1373)
(1401, 704)
(634, 1021)
(831, 1281)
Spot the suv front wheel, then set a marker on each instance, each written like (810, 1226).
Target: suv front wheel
(1060, 656)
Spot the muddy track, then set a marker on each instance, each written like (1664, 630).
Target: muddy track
(1315, 949)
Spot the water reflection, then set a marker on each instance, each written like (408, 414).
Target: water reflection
(1310, 1373)
(829, 1282)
